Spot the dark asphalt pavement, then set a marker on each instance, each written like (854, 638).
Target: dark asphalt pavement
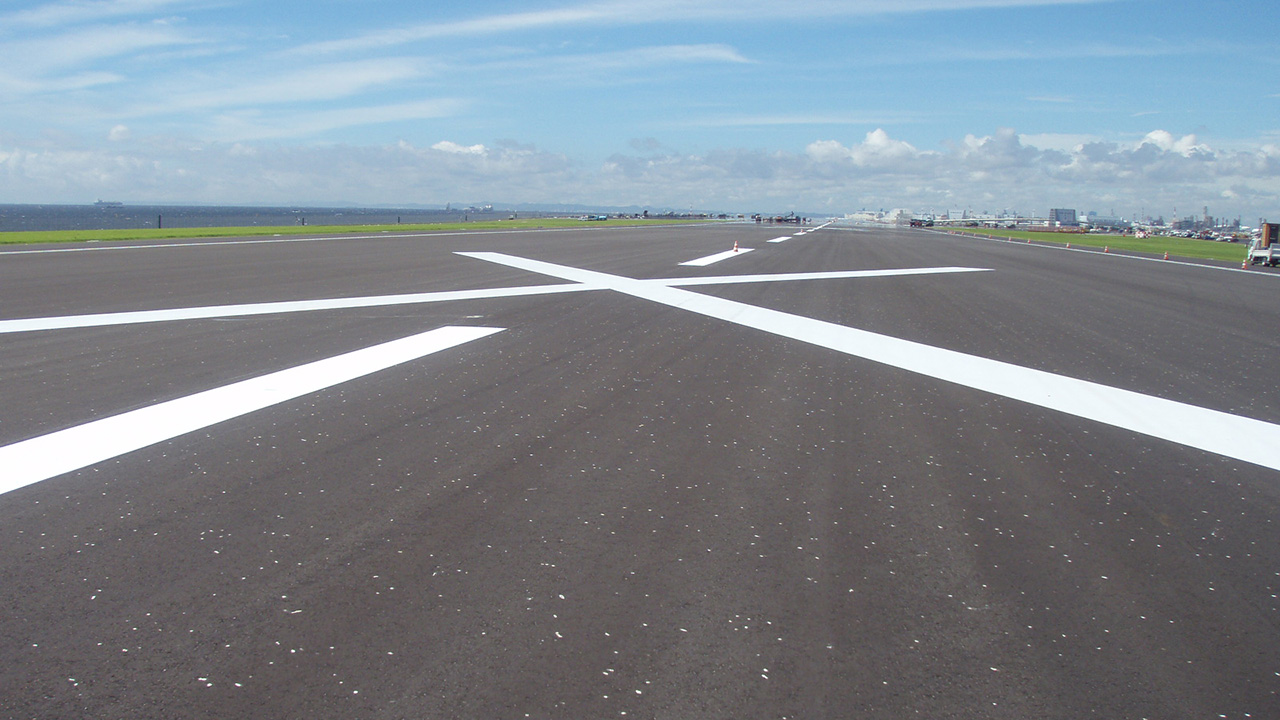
(614, 508)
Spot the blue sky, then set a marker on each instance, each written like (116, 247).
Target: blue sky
(743, 105)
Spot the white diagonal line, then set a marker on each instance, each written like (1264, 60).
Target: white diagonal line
(710, 259)
(32, 461)
(290, 306)
(829, 275)
(1230, 435)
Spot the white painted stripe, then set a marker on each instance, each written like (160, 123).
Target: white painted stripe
(784, 238)
(32, 461)
(708, 260)
(1243, 438)
(224, 311)
(291, 306)
(829, 275)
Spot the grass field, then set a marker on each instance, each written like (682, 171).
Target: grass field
(1176, 247)
(62, 236)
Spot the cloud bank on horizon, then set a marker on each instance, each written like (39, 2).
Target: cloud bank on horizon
(1128, 106)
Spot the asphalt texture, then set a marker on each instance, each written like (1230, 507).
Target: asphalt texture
(614, 508)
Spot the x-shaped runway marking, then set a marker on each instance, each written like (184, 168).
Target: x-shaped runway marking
(40, 458)
(1239, 437)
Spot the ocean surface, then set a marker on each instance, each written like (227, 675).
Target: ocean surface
(103, 217)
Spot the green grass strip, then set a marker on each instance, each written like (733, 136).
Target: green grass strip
(1156, 245)
(66, 236)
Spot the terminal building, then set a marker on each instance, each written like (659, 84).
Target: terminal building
(1063, 217)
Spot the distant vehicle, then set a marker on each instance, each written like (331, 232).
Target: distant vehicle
(1266, 248)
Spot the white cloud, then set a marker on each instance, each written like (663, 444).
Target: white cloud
(1000, 170)
(455, 148)
(1185, 145)
(581, 67)
(389, 37)
(876, 149)
(118, 133)
(325, 81)
(994, 170)
(638, 12)
(66, 13)
(1062, 142)
(776, 120)
(677, 54)
(237, 126)
(16, 86)
(39, 55)
(154, 170)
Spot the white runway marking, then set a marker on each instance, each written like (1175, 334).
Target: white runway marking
(224, 311)
(710, 259)
(784, 238)
(1218, 432)
(290, 306)
(829, 275)
(32, 461)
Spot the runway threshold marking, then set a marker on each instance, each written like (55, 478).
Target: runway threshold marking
(784, 238)
(1233, 436)
(712, 259)
(38, 459)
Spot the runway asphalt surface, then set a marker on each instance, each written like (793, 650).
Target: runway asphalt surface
(631, 501)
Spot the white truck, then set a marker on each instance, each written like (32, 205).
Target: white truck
(1266, 248)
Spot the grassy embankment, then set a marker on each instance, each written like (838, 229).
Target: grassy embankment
(62, 236)
(1175, 246)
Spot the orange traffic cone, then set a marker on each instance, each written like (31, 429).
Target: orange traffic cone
(1068, 246)
(735, 246)
(1166, 254)
(1106, 248)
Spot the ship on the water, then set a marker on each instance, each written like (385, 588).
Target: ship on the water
(108, 203)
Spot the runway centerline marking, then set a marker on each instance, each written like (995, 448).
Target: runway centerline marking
(1233, 436)
(31, 461)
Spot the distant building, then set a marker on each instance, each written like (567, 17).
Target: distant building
(1063, 216)
(1106, 222)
